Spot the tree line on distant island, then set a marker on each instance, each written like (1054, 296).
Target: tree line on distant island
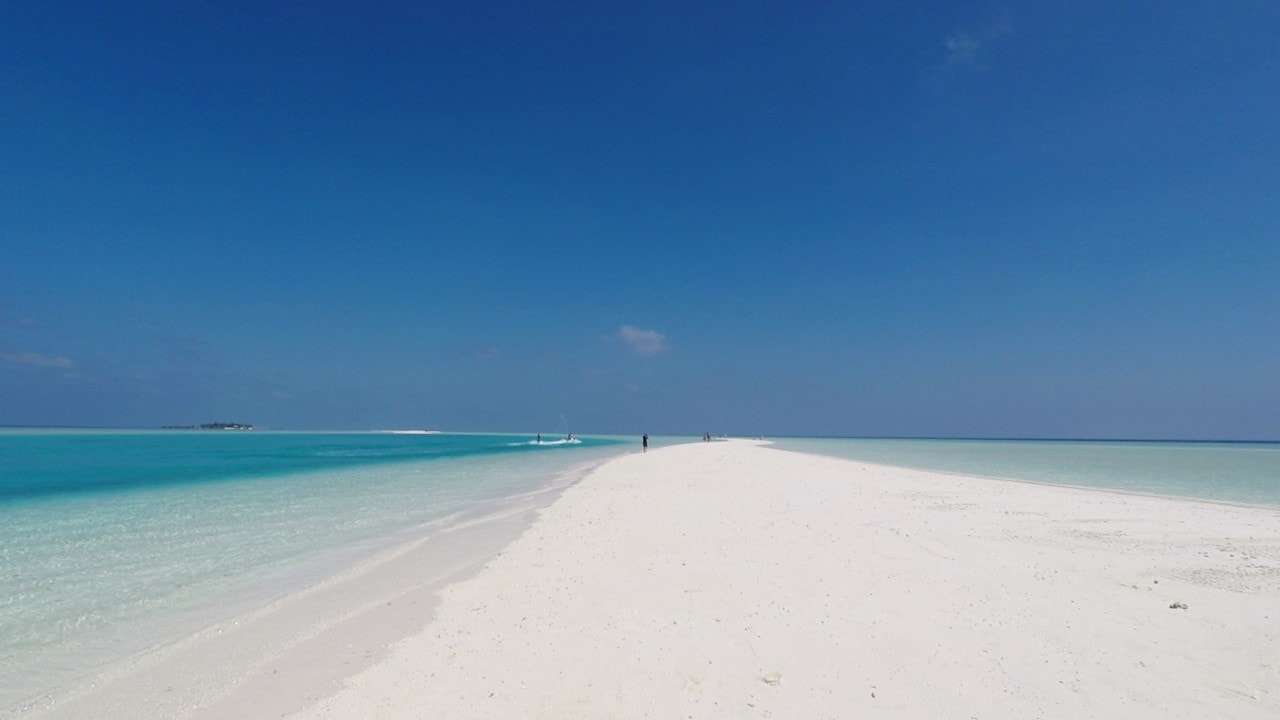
(210, 426)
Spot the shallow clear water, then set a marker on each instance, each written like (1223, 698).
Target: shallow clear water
(108, 539)
(1231, 472)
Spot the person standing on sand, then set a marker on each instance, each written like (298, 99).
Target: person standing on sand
(644, 442)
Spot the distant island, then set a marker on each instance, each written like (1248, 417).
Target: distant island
(210, 426)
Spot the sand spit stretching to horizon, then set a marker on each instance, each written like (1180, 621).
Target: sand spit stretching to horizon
(737, 580)
(732, 580)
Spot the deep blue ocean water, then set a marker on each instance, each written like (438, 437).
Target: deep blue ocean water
(110, 540)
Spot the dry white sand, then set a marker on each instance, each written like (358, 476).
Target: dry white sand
(730, 580)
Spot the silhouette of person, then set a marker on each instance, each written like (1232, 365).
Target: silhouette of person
(644, 441)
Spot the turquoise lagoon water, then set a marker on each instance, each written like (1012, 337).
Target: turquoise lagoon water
(111, 542)
(1231, 472)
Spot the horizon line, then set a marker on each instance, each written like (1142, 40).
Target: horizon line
(971, 438)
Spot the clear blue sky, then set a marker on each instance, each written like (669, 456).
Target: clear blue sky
(934, 218)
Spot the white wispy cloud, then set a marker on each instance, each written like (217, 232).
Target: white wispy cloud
(965, 46)
(642, 342)
(38, 360)
(962, 47)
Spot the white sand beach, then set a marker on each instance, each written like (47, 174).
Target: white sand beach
(733, 580)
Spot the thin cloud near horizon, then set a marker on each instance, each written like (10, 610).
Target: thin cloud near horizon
(38, 360)
(641, 341)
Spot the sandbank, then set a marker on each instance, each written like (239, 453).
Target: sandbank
(733, 580)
